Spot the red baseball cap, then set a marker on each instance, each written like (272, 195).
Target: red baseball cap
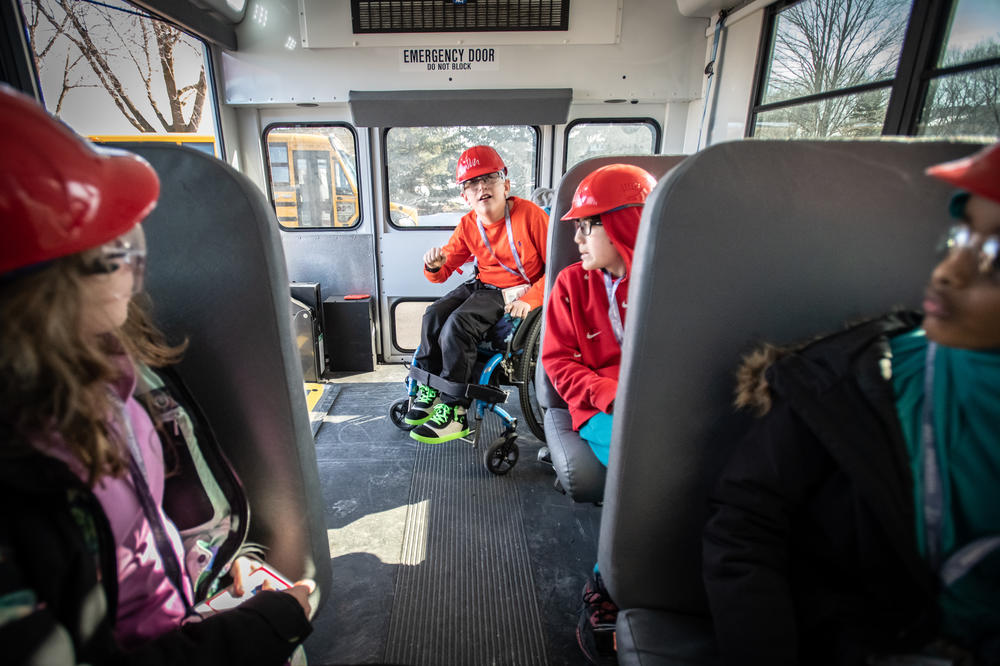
(977, 174)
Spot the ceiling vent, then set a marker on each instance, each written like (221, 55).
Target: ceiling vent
(407, 16)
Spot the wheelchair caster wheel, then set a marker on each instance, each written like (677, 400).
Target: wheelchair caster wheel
(398, 411)
(501, 456)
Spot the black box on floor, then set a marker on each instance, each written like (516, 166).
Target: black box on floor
(350, 333)
(308, 293)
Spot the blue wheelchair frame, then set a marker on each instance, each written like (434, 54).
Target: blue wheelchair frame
(502, 452)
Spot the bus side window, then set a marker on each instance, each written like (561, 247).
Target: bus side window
(312, 171)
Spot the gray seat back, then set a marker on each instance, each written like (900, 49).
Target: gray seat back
(216, 274)
(744, 242)
(562, 250)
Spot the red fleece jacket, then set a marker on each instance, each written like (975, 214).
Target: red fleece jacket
(579, 353)
(530, 225)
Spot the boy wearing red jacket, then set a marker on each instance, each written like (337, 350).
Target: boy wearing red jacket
(585, 320)
(507, 236)
(581, 353)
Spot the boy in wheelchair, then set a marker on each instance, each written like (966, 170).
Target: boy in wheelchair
(507, 237)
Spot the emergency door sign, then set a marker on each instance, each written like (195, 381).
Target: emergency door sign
(449, 60)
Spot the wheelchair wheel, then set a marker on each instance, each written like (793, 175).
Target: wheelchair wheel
(533, 413)
(397, 411)
(502, 455)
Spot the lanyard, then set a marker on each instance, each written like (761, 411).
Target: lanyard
(510, 239)
(137, 471)
(611, 284)
(930, 467)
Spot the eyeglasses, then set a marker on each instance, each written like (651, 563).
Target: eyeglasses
(962, 237)
(129, 250)
(586, 224)
(489, 180)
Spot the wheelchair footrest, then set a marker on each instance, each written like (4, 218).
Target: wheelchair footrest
(489, 394)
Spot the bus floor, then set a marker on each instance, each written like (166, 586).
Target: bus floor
(435, 560)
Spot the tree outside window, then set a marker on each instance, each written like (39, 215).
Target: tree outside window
(837, 60)
(110, 69)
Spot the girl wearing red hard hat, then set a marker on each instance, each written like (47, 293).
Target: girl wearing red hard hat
(859, 521)
(92, 568)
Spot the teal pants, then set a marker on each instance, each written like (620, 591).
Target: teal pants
(597, 432)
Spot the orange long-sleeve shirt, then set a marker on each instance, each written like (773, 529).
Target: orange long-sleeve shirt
(530, 226)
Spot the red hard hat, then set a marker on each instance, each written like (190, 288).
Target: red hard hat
(58, 194)
(477, 161)
(609, 188)
(977, 174)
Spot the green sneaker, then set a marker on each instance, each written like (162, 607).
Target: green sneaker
(445, 424)
(422, 408)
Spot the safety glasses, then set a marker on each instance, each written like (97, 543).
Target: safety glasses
(962, 237)
(489, 180)
(126, 251)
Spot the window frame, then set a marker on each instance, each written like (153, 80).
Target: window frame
(392, 319)
(25, 75)
(617, 120)
(384, 135)
(917, 67)
(267, 173)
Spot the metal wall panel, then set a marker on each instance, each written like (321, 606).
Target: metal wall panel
(342, 263)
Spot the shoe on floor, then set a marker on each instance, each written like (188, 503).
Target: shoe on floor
(544, 456)
(423, 406)
(446, 423)
(595, 631)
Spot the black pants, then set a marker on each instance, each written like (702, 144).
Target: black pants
(452, 328)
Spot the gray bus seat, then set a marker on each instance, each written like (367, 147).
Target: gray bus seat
(580, 473)
(216, 274)
(743, 242)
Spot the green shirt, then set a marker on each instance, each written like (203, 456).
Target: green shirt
(966, 424)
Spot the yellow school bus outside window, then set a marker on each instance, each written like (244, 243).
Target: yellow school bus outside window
(314, 182)
(203, 142)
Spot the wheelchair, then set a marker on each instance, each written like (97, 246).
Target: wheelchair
(506, 357)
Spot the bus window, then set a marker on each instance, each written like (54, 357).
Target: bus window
(813, 87)
(130, 77)
(421, 165)
(963, 96)
(312, 174)
(600, 138)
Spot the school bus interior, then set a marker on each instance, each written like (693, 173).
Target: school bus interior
(337, 126)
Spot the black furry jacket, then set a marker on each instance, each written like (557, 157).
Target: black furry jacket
(810, 553)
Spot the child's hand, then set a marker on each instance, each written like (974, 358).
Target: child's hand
(300, 591)
(435, 258)
(517, 308)
(240, 571)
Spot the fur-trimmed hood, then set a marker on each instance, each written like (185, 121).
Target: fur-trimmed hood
(823, 359)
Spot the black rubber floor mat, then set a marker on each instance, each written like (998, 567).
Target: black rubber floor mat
(464, 592)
